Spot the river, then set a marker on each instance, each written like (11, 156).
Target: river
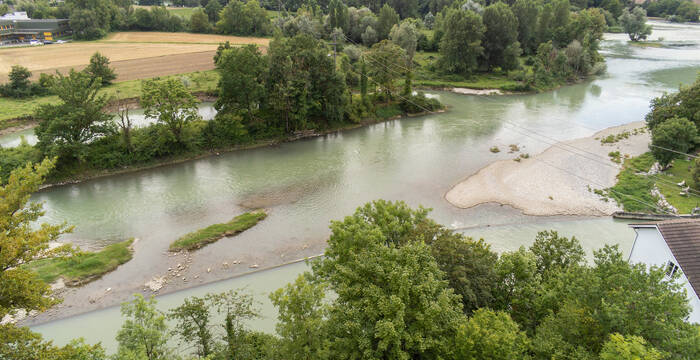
(305, 184)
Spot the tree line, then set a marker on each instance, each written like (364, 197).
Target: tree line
(293, 89)
(392, 284)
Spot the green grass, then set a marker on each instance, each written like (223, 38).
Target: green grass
(681, 171)
(652, 44)
(16, 108)
(633, 191)
(210, 234)
(639, 186)
(425, 76)
(184, 12)
(83, 267)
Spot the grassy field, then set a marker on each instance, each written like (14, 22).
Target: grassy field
(15, 108)
(425, 76)
(637, 186)
(84, 267)
(210, 234)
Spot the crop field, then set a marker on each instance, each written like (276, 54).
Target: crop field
(134, 55)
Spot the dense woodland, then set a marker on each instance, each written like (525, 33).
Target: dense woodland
(392, 284)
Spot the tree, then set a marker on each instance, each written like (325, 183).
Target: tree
(170, 103)
(99, 69)
(588, 304)
(193, 325)
(685, 103)
(468, 266)
(405, 8)
(384, 60)
(460, 47)
(392, 300)
(493, 335)
(527, 11)
(338, 15)
(634, 23)
(631, 347)
(124, 122)
(20, 343)
(4, 9)
(22, 242)
(236, 308)
(303, 311)
(144, 332)
(386, 20)
(673, 136)
(554, 253)
(242, 73)
(212, 10)
(199, 21)
(501, 33)
(406, 36)
(239, 18)
(86, 25)
(696, 173)
(19, 85)
(66, 127)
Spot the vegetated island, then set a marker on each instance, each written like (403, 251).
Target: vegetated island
(83, 267)
(566, 179)
(212, 233)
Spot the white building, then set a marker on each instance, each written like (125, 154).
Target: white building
(674, 245)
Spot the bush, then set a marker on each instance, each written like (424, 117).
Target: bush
(418, 103)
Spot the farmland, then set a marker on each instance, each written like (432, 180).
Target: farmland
(134, 55)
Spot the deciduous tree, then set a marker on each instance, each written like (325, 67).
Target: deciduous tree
(635, 23)
(461, 46)
(99, 69)
(170, 103)
(144, 332)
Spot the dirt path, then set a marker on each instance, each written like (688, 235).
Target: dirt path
(559, 181)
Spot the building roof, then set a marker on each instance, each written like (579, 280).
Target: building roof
(683, 238)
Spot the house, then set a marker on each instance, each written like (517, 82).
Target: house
(674, 245)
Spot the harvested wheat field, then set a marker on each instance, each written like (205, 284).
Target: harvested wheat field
(134, 55)
(166, 37)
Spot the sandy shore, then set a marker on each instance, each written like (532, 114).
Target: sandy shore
(559, 181)
(466, 91)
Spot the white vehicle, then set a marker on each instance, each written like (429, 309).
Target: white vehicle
(35, 42)
(60, 41)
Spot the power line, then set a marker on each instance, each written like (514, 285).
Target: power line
(674, 151)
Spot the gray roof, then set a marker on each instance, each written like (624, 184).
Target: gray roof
(683, 238)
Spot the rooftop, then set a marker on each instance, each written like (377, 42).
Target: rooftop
(683, 238)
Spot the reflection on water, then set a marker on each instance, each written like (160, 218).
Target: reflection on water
(307, 183)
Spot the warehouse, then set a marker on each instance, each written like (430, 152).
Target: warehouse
(17, 31)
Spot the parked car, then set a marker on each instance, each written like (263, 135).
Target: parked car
(61, 41)
(48, 42)
(35, 42)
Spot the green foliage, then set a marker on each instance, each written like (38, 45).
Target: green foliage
(212, 233)
(194, 324)
(673, 136)
(388, 17)
(501, 47)
(554, 253)
(620, 347)
(633, 191)
(302, 320)
(65, 128)
(82, 267)
(212, 10)
(242, 82)
(460, 47)
(683, 104)
(199, 21)
(406, 36)
(239, 18)
(15, 158)
(171, 104)
(20, 86)
(144, 334)
(492, 335)
(21, 242)
(385, 65)
(392, 301)
(20, 343)
(634, 23)
(99, 69)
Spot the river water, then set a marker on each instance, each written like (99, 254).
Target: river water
(305, 184)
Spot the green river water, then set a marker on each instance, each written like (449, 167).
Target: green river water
(307, 183)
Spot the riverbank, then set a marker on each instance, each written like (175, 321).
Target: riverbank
(559, 181)
(92, 174)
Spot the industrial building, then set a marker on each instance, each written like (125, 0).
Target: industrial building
(17, 31)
